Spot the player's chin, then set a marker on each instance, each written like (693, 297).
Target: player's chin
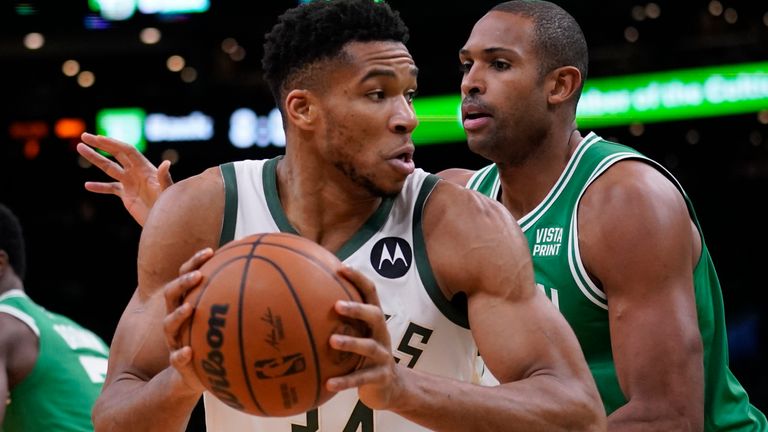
(385, 183)
(478, 144)
(390, 190)
(386, 188)
(402, 166)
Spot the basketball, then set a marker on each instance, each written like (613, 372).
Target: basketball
(263, 317)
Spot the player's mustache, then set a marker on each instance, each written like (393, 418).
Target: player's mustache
(474, 103)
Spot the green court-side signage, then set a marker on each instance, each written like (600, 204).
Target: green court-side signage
(674, 95)
(439, 120)
(642, 98)
(124, 124)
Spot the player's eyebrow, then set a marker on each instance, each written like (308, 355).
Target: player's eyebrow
(376, 72)
(490, 50)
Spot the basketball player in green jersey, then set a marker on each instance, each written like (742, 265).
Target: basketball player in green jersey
(344, 82)
(624, 260)
(51, 368)
(614, 239)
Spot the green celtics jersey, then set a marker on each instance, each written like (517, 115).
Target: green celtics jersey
(59, 392)
(551, 230)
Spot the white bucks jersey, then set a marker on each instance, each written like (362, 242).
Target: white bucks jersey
(428, 332)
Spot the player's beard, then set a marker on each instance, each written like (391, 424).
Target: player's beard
(363, 180)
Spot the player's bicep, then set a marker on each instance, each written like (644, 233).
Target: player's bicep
(522, 337)
(517, 330)
(636, 240)
(186, 218)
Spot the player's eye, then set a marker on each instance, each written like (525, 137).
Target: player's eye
(500, 65)
(376, 95)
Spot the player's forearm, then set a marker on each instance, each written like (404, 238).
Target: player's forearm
(130, 404)
(539, 403)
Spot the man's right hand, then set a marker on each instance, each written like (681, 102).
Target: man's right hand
(138, 183)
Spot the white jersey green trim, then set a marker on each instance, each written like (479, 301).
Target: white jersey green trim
(428, 331)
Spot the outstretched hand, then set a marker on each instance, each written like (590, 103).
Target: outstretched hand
(138, 183)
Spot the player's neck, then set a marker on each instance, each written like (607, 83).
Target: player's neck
(323, 207)
(525, 185)
(12, 283)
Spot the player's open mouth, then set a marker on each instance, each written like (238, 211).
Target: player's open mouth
(474, 115)
(405, 157)
(475, 120)
(402, 160)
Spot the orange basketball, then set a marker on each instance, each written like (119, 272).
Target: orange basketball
(263, 317)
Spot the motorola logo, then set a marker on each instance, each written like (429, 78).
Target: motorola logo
(391, 257)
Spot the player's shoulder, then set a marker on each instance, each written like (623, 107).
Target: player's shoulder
(468, 237)
(192, 191)
(630, 179)
(469, 209)
(194, 204)
(459, 176)
(13, 330)
(631, 191)
(211, 177)
(187, 217)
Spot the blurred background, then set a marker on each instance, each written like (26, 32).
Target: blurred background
(684, 82)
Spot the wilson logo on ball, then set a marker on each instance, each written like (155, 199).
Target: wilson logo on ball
(213, 364)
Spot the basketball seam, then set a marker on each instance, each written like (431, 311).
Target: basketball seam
(243, 365)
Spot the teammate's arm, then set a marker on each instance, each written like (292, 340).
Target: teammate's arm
(18, 354)
(637, 239)
(142, 391)
(5, 350)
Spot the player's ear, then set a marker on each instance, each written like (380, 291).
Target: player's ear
(300, 108)
(563, 83)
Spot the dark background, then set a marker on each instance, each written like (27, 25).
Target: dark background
(82, 247)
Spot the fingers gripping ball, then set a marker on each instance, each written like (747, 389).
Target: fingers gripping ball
(263, 317)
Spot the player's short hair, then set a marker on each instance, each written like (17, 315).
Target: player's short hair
(12, 240)
(313, 32)
(557, 38)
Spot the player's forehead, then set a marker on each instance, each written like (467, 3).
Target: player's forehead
(390, 56)
(499, 31)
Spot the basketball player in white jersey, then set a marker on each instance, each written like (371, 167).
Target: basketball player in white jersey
(344, 82)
